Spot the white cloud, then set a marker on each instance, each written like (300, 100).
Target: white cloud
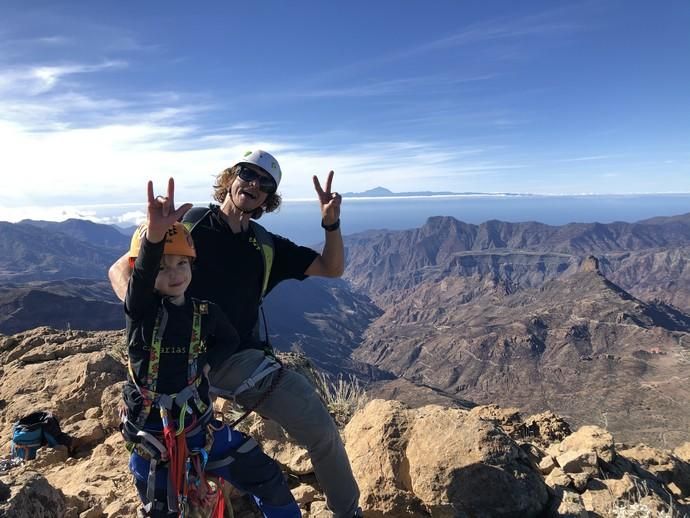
(34, 80)
(585, 158)
(67, 147)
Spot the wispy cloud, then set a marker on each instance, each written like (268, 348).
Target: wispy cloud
(541, 24)
(553, 22)
(586, 158)
(376, 88)
(35, 80)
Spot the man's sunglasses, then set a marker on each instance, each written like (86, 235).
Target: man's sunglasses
(266, 183)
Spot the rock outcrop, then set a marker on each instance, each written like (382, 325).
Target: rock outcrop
(428, 461)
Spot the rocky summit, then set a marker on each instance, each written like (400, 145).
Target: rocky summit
(429, 461)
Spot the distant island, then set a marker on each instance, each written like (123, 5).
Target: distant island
(382, 192)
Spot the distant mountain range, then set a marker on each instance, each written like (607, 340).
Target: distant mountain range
(70, 303)
(511, 313)
(39, 250)
(382, 192)
(508, 313)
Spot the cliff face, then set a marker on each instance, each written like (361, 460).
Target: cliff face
(524, 314)
(580, 345)
(648, 258)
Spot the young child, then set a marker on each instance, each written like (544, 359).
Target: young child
(168, 424)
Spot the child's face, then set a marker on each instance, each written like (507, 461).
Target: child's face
(174, 275)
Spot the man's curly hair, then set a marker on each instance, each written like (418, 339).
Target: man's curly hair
(222, 185)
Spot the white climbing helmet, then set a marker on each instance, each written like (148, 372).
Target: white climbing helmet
(265, 161)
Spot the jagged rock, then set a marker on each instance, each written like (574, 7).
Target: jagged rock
(7, 342)
(376, 439)
(591, 264)
(546, 427)
(683, 452)
(5, 491)
(67, 387)
(278, 445)
(93, 413)
(580, 480)
(604, 495)
(578, 461)
(660, 464)
(101, 479)
(428, 461)
(558, 478)
(318, 509)
(442, 461)
(31, 496)
(85, 433)
(547, 464)
(110, 402)
(509, 419)
(570, 504)
(585, 440)
(601, 495)
(306, 494)
(48, 456)
(533, 452)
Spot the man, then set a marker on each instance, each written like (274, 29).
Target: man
(238, 261)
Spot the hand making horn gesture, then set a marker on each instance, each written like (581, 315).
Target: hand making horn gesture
(161, 212)
(330, 203)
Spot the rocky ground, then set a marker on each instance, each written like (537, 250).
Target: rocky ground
(427, 461)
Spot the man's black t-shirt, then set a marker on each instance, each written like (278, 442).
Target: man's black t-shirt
(229, 270)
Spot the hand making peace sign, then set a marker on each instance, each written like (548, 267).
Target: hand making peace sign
(161, 212)
(330, 201)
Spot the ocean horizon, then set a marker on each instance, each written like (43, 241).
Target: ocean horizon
(299, 220)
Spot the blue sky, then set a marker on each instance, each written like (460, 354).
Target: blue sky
(542, 97)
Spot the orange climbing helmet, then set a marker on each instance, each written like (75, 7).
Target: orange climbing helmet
(178, 241)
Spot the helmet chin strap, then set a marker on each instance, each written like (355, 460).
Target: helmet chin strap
(243, 211)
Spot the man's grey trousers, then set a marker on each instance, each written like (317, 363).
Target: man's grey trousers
(295, 405)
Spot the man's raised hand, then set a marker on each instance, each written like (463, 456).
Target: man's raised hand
(330, 201)
(161, 212)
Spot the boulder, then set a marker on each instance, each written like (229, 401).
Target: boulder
(570, 504)
(587, 439)
(578, 461)
(48, 456)
(306, 494)
(662, 465)
(580, 480)
(546, 428)
(29, 495)
(280, 446)
(509, 419)
(101, 479)
(628, 493)
(558, 478)
(85, 434)
(546, 464)
(442, 461)
(376, 440)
